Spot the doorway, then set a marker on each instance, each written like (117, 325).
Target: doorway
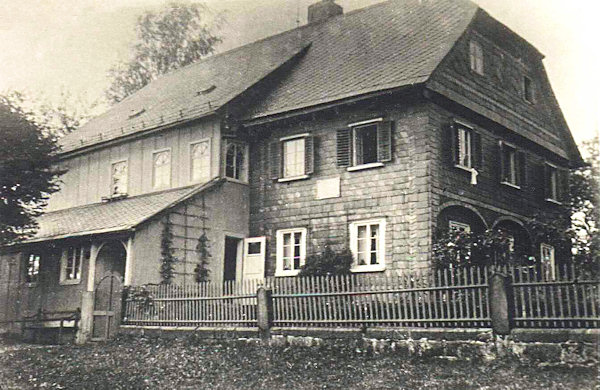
(230, 267)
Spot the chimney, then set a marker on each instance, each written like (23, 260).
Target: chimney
(323, 10)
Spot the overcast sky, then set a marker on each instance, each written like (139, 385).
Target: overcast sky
(51, 45)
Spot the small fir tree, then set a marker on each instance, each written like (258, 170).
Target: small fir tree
(202, 271)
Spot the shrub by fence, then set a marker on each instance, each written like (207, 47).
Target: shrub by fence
(454, 297)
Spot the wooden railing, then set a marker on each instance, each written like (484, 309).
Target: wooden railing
(229, 304)
(453, 298)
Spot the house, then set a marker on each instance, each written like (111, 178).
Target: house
(365, 130)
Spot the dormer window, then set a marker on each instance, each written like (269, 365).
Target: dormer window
(476, 57)
(118, 182)
(528, 89)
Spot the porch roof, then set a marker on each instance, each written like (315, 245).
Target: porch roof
(110, 217)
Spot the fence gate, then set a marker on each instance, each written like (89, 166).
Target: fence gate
(107, 307)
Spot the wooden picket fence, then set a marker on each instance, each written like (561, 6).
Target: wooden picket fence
(448, 298)
(230, 304)
(452, 298)
(558, 298)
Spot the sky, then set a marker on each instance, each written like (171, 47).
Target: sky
(50, 46)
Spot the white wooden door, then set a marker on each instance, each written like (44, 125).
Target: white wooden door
(253, 266)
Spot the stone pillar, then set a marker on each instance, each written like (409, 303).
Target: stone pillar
(264, 310)
(500, 307)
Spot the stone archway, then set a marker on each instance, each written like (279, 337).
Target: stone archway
(522, 244)
(461, 215)
(109, 274)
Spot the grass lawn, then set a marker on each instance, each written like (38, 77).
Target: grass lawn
(144, 363)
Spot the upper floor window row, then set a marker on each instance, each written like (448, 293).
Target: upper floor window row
(292, 157)
(476, 64)
(466, 152)
(364, 144)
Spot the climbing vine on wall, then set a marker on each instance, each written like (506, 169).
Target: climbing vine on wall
(167, 266)
(202, 249)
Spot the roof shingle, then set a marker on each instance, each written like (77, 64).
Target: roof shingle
(388, 45)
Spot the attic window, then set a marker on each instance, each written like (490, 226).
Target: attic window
(137, 113)
(207, 90)
(476, 57)
(528, 89)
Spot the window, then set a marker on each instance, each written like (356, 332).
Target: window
(200, 161)
(293, 158)
(291, 251)
(551, 183)
(32, 268)
(465, 147)
(528, 89)
(236, 164)
(548, 265)
(71, 264)
(364, 144)
(119, 178)
(455, 226)
(513, 166)
(476, 56)
(367, 243)
(162, 169)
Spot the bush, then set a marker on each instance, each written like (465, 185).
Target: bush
(329, 262)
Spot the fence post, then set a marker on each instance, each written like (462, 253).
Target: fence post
(264, 298)
(499, 294)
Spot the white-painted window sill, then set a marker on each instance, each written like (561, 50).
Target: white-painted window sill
(511, 185)
(287, 273)
(364, 166)
(293, 178)
(369, 268)
(70, 282)
(464, 168)
(554, 201)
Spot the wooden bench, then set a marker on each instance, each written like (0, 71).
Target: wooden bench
(51, 320)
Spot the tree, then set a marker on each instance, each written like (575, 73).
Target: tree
(28, 172)
(585, 208)
(59, 117)
(176, 36)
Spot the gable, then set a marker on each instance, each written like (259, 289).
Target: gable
(499, 93)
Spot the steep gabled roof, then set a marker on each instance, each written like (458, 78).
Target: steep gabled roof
(112, 217)
(388, 45)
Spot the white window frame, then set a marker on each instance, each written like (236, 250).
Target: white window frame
(512, 166)
(209, 173)
(459, 226)
(355, 157)
(83, 254)
(476, 57)
(35, 275)
(112, 171)
(279, 271)
(154, 181)
(549, 265)
(553, 184)
(465, 149)
(246, 164)
(283, 141)
(380, 245)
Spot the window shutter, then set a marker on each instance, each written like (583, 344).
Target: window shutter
(546, 182)
(562, 184)
(451, 144)
(274, 159)
(309, 155)
(521, 168)
(343, 147)
(501, 160)
(384, 141)
(477, 151)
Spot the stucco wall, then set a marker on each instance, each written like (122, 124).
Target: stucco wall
(226, 212)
